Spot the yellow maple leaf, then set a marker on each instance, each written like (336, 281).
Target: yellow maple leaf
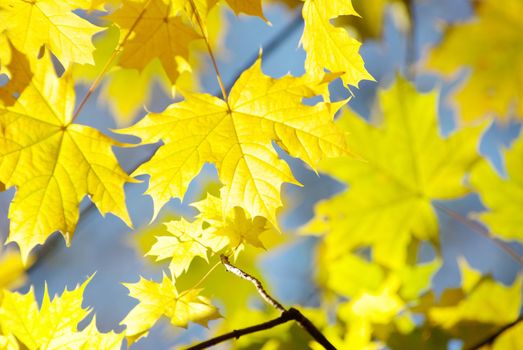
(54, 163)
(159, 34)
(330, 47)
(204, 128)
(162, 299)
(124, 102)
(408, 165)
(489, 46)
(96, 340)
(54, 325)
(184, 243)
(503, 197)
(235, 230)
(211, 231)
(31, 24)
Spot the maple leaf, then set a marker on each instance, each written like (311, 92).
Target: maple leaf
(54, 163)
(162, 299)
(234, 230)
(55, 325)
(211, 231)
(182, 246)
(96, 340)
(124, 102)
(489, 46)
(408, 165)
(330, 47)
(502, 196)
(31, 24)
(204, 128)
(159, 34)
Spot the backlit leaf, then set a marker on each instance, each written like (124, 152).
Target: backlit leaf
(204, 128)
(407, 165)
(162, 299)
(54, 162)
(31, 24)
(55, 324)
(330, 47)
(158, 34)
(503, 197)
(489, 45)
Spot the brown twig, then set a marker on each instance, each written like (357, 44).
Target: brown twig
(286, 315)
(259, 287)
(490, 339)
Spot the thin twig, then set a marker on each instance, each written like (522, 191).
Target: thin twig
(285, 317)
(259, 287)
(108, 64)
(490, 339)
(204, 34)
(295, 314)
(481, 230)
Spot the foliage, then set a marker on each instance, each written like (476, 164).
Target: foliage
(493, 58)
(374, 280)
(54, 325)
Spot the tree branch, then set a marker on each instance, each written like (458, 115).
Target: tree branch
(287, 315)
(490, 339)
(242, 274)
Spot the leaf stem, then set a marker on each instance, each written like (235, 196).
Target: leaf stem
(209, 49)
(481, 230)
(197, 284)
(108, 64)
